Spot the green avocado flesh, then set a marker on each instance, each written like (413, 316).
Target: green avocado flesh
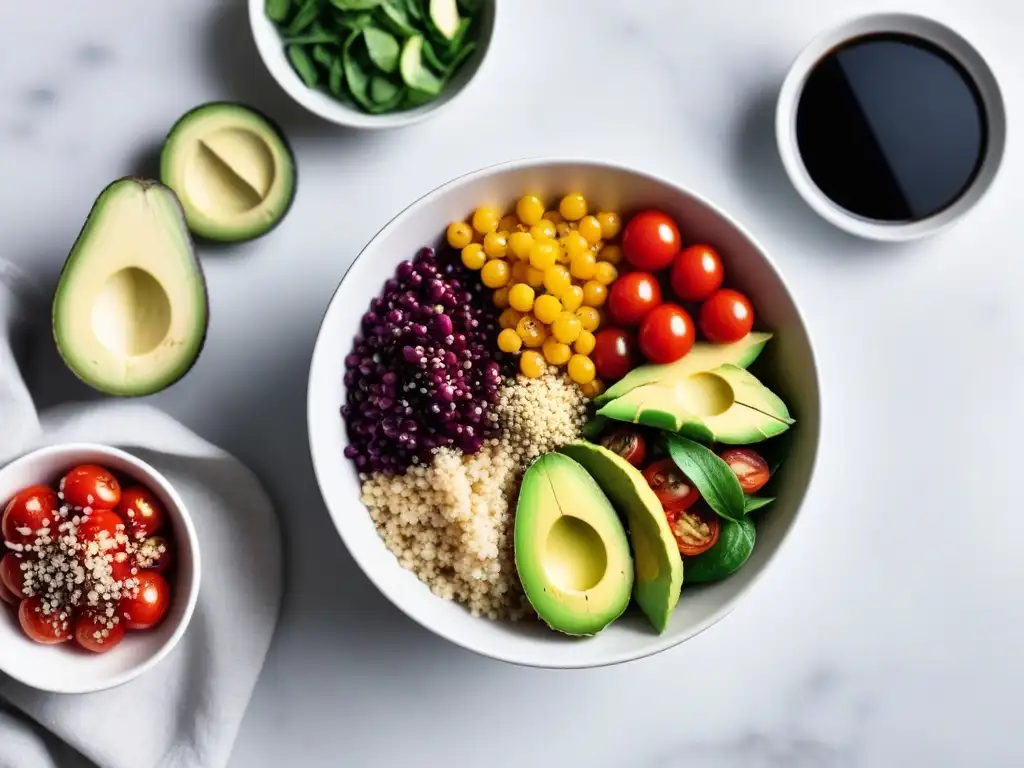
(570, 547)
(232, 170)
(725, 405)
(703, 357)
(130, 308)
(659, 568)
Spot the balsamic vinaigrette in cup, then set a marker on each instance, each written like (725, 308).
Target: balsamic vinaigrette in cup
(891, 127)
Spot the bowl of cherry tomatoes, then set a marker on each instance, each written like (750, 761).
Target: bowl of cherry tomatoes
(99, 568)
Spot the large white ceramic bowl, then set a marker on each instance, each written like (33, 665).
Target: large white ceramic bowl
(272, 51)
(788, 366)
(64, 668)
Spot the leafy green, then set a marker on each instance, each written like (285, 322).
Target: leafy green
(383, 48)
(323, 55)
(462, 55)
(303, 65)
(313, 38)
(306, 15)
(356, 74)
(592, 429)
(750, 503)
(714, 479)
(355, 5)
(729, 553)
(415, 75)
(336, 77)
(385, 93)
(393, 13)
(278, 10)
(431, 58)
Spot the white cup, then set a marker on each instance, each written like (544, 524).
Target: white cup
(890, 23)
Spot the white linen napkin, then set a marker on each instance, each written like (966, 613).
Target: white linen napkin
(186, 712)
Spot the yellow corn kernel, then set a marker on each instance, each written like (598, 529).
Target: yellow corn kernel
(532, 331)
(554, 217)
(519, 269)
(592, 388)
(590, 228)
(555, 352)
(605, 273)
(575, 243)
(566, 328)
(543, 254)
(495, 245)
(534, 277)
(562, 229)
(581, 369)
(496, 274)
(572, 298)
(543, 230)
(501, 298)
(509, 341)
(610, 223)
(531, 364)
(583, 265)
(556, 279)
(519, 243)
(594, 294)
(460, 234)
(529, 209)
(589, 318)
(509, 318)
(547, 308)
(611, 254)
(485, 220)
(520, 297)
(508, 223)
(573, 207)
(584, 343)
(473, 256)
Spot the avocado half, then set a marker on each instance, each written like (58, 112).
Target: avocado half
(232, 170)
(130, 310)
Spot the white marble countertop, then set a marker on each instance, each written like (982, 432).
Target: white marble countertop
(890, 630)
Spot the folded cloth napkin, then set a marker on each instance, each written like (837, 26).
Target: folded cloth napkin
(185, 713)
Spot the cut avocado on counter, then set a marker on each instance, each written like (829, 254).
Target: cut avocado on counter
(725, 405)
(571, 550)
(702, 357)
(130, 308)
(659, 568)
(232, 170)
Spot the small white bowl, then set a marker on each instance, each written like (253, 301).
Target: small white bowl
(271, 49)
(898, 23)
(788, 359)
(65, 668)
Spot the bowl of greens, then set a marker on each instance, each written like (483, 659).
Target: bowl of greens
(373, 63)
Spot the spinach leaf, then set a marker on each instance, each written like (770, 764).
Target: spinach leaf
(356, 74)
(385, 94)
(278, 10)
(336, 77)
(469, 7)
(355, 5)
(393, 14)
(730, 552)
(382, 47)
(415, 9)
(455, 44)
(355, 23)
(323, 55)
(461, 56)
(306, 15)
(303, 65)
(312, 38)
(431, 58)
(712, 476)
(750, 503)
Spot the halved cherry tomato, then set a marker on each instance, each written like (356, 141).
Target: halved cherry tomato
(749, 467)
(29, 510)
(154, 554)
(614, 353)
(671, 486)
(90, 486)
(697, 272)
(148, 607)
(651, 240)
(666, 334)
(727, 316)
(106, 528)
(695, 530)
(627, 443)
(142, 512)
(93, 633)
(632, 296)
(11, 576)
(50, 629)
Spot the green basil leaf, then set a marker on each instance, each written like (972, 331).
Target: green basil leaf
(303, 65)
(730, 552)
(356, 74)
(278, 10)
(355, 5)
(383, 49)
(750, 503)
(306, 15)
(712, 476)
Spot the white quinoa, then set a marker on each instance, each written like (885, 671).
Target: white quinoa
(452, 522)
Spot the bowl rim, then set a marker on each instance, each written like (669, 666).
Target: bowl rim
(953, 44)
(341, 114)
(192, 543)
(659, 643)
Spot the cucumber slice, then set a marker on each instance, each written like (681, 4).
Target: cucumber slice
(445, 15)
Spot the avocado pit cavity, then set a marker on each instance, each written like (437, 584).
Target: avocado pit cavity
(132, 313)
(576, 556)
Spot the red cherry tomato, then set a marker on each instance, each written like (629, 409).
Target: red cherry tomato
(50, 629)
(142, 512)
(697, 272)
(90, 486)
(97, 634)
(11, 576)
(749, 467)
(726, 317)
(627, 443)
(614, 353)
(146, 608)
(104, 527)
(651, 240)
(155, 554)
(632, 296)
(29, 510)
(671, 486)
(120, 569)
(666, 334)
(6, 596)
(695, 530)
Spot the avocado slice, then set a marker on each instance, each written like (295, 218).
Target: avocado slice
(702, 357)
(659, 568)
(726, 405)
(130, 307)
(570, 547)
(232, 170)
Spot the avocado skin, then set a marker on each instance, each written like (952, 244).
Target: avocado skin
(167, 148)
(196, 265)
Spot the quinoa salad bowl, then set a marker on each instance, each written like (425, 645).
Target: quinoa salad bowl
(532, 420)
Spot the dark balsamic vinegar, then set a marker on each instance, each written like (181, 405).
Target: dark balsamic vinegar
(891, 127)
